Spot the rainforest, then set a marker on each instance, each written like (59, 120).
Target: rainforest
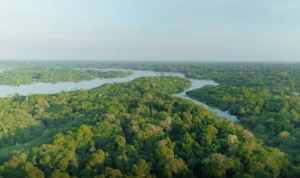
(139, 128)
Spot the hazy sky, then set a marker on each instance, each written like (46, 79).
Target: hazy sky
(184, 30)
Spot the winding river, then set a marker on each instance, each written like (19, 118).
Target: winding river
(49, 88)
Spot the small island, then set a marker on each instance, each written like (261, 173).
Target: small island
(28, 76)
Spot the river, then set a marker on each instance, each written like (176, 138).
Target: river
(49, 88)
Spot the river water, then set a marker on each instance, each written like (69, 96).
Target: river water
(49, 88)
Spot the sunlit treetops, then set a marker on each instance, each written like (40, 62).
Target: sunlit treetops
(272, 117)
(133, 129)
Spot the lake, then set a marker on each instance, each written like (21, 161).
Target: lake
(49, 88)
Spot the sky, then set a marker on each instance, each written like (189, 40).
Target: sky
(150, 30)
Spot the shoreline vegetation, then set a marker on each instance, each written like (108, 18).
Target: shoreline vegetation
(138, 129)
(129, 129)
(272, 76)
(214, 107)
(29, 76)
(272, 118)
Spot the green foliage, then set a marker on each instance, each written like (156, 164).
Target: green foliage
(23, 76)
(133, 129)
(109, 74)
(277, 77)
(272, 118)
(216, 165)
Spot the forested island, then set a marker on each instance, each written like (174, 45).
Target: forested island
(23, 76)
(139, 129)
(273, 76)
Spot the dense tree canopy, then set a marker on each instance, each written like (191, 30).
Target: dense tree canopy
(133, 129)
(273, 76)
(138, 129)
(273, 117)
(22, 76)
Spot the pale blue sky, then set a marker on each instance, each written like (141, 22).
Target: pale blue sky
(179, 30)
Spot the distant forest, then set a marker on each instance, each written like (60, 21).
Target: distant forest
(23, 76)
(273, 76)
